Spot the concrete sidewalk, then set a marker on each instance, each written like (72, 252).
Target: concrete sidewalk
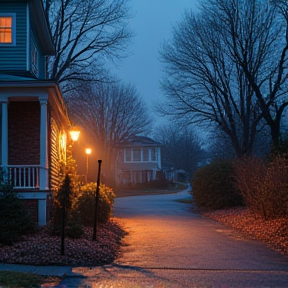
(40, 270)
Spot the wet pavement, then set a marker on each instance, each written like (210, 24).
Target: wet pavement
(170, 245)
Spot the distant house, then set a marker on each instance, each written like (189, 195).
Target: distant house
(138, 161)
(33, 115)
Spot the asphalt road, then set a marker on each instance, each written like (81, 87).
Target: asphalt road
(170, 245)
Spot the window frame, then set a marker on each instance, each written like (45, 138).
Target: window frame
(34, 59)
(154, 154)
(127, 155)
(13, 29)
(136, 154)
(145, 152)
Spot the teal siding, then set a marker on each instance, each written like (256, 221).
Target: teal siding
(13, 58)
(41, 58)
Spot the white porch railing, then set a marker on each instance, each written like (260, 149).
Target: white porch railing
(24, 176)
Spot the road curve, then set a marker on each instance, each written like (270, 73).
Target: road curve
(170, 245)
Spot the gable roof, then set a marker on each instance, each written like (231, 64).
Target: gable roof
(140, 141)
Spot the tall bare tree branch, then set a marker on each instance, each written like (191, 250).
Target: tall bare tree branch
(86, 34)
(226, 65)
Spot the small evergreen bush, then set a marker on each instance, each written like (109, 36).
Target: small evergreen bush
(212, 186)
(63, 200)
(74, 228)
(15, 220)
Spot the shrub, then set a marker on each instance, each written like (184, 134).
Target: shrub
(212, 186)
(264, 186)
(281, 150)
(64, 198)
(15, 220)
(55, 222)
(74, 228)
(85, 203)
(74, 225)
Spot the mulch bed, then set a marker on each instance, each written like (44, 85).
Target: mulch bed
(43, 249)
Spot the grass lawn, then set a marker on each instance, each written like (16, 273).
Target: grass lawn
(10, 279)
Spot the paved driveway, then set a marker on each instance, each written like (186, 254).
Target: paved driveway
(169, 245)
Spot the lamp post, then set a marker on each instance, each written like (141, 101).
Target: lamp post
(88, 152)
(96, 202)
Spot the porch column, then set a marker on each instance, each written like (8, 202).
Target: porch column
(159, 158)
(4, 151)
(43, 185)
(154, 174)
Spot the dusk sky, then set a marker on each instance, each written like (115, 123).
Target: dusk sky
(152, 24)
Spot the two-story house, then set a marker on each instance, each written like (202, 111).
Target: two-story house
(33, 118)
(138, 161)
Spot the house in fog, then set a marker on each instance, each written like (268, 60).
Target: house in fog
(138, 161)
(34, 119)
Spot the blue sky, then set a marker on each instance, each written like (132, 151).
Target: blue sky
(152, 24)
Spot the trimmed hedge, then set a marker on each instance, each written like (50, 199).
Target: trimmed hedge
(213, 186)
(81, 212)
(85, 203)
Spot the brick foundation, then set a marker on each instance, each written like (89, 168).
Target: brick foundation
(32, 206)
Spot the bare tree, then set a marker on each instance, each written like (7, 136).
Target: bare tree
(85, 34)
(181, 147)
(256, 37)
(218, 145)
(206, 81)
(111, 114)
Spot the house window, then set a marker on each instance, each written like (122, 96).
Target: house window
(136, 154)
(7, 29)
(34, 59)
(153, 154)
(128, 155)
(145, 154)
(62, 146)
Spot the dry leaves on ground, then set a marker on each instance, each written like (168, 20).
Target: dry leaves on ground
(44, 249)
(274, 233)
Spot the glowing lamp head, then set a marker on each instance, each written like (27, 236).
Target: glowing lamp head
(88, 151)
(74, 135)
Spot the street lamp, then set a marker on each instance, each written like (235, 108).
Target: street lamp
(96, 202)
(74, 134)
(88, 152)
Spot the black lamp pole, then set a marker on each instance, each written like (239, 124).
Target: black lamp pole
(96, 202)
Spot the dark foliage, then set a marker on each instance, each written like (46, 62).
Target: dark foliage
(263, 185)
(15, 220)
(85, 204)
(213, 187)
(74, 226)
(280, 150)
